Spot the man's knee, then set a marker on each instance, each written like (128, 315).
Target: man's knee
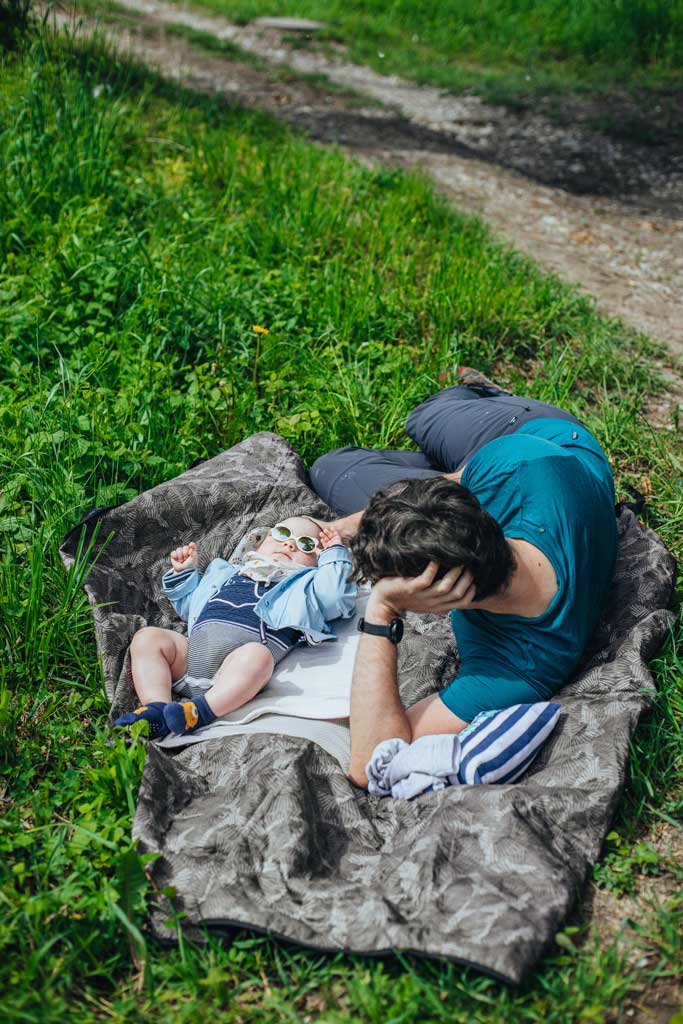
(339, 478)
(328, 467)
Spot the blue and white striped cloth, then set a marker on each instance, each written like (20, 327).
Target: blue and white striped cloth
(497, 747)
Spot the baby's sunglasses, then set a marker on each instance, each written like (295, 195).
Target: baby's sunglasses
(304, 543)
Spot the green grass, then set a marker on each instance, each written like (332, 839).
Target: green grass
(504, 48)
(14, 22)
(144, 231)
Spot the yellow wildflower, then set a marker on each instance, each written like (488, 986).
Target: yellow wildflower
(257, 329)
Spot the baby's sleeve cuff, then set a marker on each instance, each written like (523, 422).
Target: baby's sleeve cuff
(337, 552)
(174, 582)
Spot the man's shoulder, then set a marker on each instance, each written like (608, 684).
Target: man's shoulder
(555, 448)
(505, 456)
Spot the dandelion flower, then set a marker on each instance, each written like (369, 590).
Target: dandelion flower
(257, 329)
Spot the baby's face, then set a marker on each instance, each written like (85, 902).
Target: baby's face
(286, 551)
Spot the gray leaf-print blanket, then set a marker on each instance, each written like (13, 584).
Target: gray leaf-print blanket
(266, 832)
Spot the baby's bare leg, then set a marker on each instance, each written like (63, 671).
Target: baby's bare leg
(158, 657)
(243, 673)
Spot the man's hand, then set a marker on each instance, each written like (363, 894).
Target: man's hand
(397, 595)
(329, 537)
(347, 527)
(184, 557)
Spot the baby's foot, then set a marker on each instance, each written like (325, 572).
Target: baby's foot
(152, 713)
(188, 715)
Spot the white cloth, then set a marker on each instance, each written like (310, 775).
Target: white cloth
(311, 683)
(249, 542)
(333, 736)
(403, 770)
(262, 569)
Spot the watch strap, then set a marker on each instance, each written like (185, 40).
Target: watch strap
(392, 631)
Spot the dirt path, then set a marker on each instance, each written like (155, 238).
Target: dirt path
(508, 168)
(528, 176)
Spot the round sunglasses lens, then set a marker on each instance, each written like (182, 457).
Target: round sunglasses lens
(306, 544)
(281, 532)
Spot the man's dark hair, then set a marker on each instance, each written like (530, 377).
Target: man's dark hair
(414, 522)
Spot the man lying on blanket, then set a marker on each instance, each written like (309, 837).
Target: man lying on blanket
(518, 544)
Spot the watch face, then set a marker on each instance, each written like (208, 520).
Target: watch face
(396, 633)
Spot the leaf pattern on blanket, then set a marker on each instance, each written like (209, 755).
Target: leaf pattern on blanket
(266, 831)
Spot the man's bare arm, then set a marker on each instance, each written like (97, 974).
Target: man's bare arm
(376, 710)
(347, 526)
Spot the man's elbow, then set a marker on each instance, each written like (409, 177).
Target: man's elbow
(356, 774)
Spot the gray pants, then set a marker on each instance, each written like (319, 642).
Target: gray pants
(449, 427)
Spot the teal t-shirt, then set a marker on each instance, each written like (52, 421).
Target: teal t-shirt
(549, 484)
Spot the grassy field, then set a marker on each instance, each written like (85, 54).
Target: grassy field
(143, 233)
(503, 48)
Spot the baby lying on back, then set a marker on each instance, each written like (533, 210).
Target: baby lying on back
(282, 587)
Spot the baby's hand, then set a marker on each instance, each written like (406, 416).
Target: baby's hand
(184, 557)
(329, 537)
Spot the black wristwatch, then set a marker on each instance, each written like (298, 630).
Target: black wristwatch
(393, 632)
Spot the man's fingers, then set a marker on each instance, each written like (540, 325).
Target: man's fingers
(449, 580)
(463, 586)
(423, 594)
(426, 577)
(455, 584)
(468, 597)
(459, 603)
(445, 607)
